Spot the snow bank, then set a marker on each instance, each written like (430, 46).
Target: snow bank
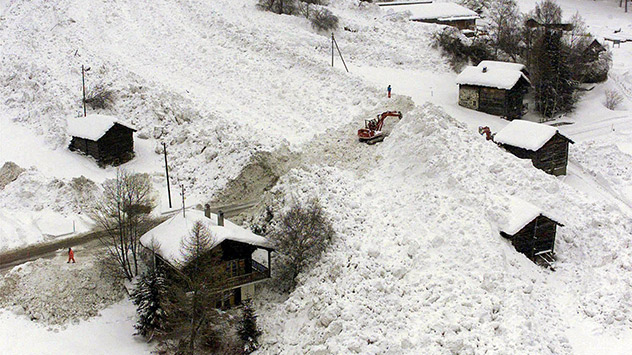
(428, 272)
(433, 10)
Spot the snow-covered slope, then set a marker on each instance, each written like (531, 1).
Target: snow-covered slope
(419, 265)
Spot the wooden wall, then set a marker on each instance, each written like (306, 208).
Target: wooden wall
(494, 101)
(537, 236)
(116, 146)
(552, 158)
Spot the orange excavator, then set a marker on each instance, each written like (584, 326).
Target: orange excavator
(372, 131)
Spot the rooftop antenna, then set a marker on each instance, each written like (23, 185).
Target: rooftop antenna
(182, 194)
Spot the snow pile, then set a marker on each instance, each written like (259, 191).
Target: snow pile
(520, 213)
(34, 206)
(609, 163)
(53, 292)
(93, 127)
(525, 134)
(426, 271)
(442, 11)
(169, 235)
(494, 77)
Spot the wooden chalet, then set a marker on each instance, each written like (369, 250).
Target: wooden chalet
(496, 88)
(531, 232)
(107, 139)
(443, 13)
(544, 145)
(238, 258)
(591, 52)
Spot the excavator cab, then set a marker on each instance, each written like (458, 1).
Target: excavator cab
(372, 131)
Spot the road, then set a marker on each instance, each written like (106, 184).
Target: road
(80, 242)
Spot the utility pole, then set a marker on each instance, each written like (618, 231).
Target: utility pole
(83, 79)
(339, 53)
(182, 194)
(164, 149)
(332, 49)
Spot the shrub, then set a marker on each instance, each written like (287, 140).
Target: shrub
(100, 97)
(288, 7)
(324, 20)
(302, 235)
(459, 49)
(613, 99)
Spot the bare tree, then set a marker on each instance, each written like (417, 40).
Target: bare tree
(288, 7)
(123, 214)
(301, 236)
(613, 99)
(504, 27)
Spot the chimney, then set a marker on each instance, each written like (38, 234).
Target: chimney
(220, 218)
(484, 69)
(207, 211)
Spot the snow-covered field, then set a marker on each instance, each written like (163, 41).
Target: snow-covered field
(418, 265)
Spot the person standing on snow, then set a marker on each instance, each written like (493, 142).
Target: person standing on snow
(388, 90)
(71, 256)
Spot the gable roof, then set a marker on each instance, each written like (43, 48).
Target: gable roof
(170, 234)
(443, 11)
(94, 126)
(527, 135)
(493, 77)
(519, 214)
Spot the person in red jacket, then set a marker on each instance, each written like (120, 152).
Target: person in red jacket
(71, 256)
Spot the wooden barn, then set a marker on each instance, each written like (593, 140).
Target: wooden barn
(107, 139)
(531, 232)
(591, 52)
(495, 89)
(544, 145)
(443, 13)
(238, 257)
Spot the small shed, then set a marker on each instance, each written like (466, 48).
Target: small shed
(239, 257)
(591, 52)
(495, 89)
(443, 13)
(531, 232)
(107, 139)
(543, 144)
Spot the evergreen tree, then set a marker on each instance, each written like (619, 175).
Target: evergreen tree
(150, 296)
(248, 331)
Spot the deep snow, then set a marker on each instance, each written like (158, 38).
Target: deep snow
(418, 265)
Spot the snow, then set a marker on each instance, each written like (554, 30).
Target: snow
(417, 265)
(443, 11)
(93, 126)
(494, 77)
(106, 334)
(520, 214)
(493, 64)
(525, 134)
(169, 235)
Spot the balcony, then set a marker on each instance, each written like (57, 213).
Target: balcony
(259, 272)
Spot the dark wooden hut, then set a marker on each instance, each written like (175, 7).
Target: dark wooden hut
(530, 231)
(443, 13)
(591, 52)
(239, 258)
(493, 89)
(107, 139)
(544, 145)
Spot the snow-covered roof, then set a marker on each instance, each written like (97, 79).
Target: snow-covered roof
(493, 77)
(493, 64)
(520, 214)
(443, 11)
(525, 134)
(170, 234)
(93, 127)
